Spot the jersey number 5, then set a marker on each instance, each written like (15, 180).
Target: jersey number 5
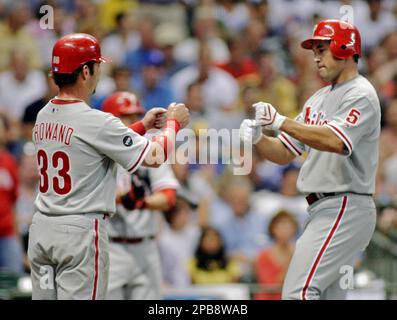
(353, 116)
(62, 183)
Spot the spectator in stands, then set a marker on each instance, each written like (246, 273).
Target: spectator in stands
(288, 197)
(242, 228)
(256, 177)
(232, 15)
(272, 263)
(389, 44)
(109, 10)
(153, 89)
(177, 242)
(63, 23)
(204, 30)
(20, 86)
(14, 33)
(210, 264)
(388, 136)
(240, 65)
(385, 75)
(121, 76)
(249, 96)
(167, 36)
(255, 34)
(375, 58)
(11, 258)
(166, 11)
(220, 89)
(122, 40)
(134, 59)
(87, 16)
(199, 184)
(375, 23)
(195, 103)
(27, 192)
(387, 177)
(387, 220)
(274, 87)
(29, 117)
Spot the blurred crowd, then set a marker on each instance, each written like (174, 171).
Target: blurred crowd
(218, 57)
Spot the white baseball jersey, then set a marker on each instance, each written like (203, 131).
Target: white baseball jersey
(352, 111)
(77, 150)
(140, 223)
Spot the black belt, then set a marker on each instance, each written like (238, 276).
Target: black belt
(313, 197)
(130, 240)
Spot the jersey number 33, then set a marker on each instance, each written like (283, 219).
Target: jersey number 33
(61, 182)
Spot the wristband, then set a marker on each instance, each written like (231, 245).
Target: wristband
(278, 121)
(171, 196)
(138, 127)
(173, 124)
(163, 141)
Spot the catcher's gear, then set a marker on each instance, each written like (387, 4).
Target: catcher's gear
(122, 103)
(345, 38)
(249, 132)
(134, 199)
(73, 50)
(267, 116)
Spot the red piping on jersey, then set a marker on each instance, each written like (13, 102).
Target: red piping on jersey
(349, 145)
(60, 101)
(94, 291)
(291, 144)
(324, 247)
(140, 157)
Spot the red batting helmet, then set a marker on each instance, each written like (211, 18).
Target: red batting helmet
(73, 50)
(122, 103)
(345, 38)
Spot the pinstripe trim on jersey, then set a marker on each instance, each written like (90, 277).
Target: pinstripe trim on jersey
(324, 247)
(289, 144)
(140, 158)
(60, 101)
(342, 135)
(96, 244)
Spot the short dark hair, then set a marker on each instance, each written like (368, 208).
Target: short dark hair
(116, 70)
(356, 57)
(193, 84)
(282, 214)
(65, 79)
(119, 16)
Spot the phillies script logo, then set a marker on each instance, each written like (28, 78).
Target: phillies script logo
(315, 117)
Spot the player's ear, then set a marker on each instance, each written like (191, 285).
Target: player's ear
(84, 72)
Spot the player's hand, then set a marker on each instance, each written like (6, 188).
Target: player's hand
(250, 132)
(179, 112)
(155, 118)
(267, 116)
(134, 199)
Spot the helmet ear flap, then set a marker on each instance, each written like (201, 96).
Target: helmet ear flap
(339, 50)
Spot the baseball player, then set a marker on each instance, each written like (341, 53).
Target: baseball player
(135, 271)
(77, 150)
(339, 129)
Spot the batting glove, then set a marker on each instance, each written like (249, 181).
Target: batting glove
(134, 199)
(249, 132)
(267, 116)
